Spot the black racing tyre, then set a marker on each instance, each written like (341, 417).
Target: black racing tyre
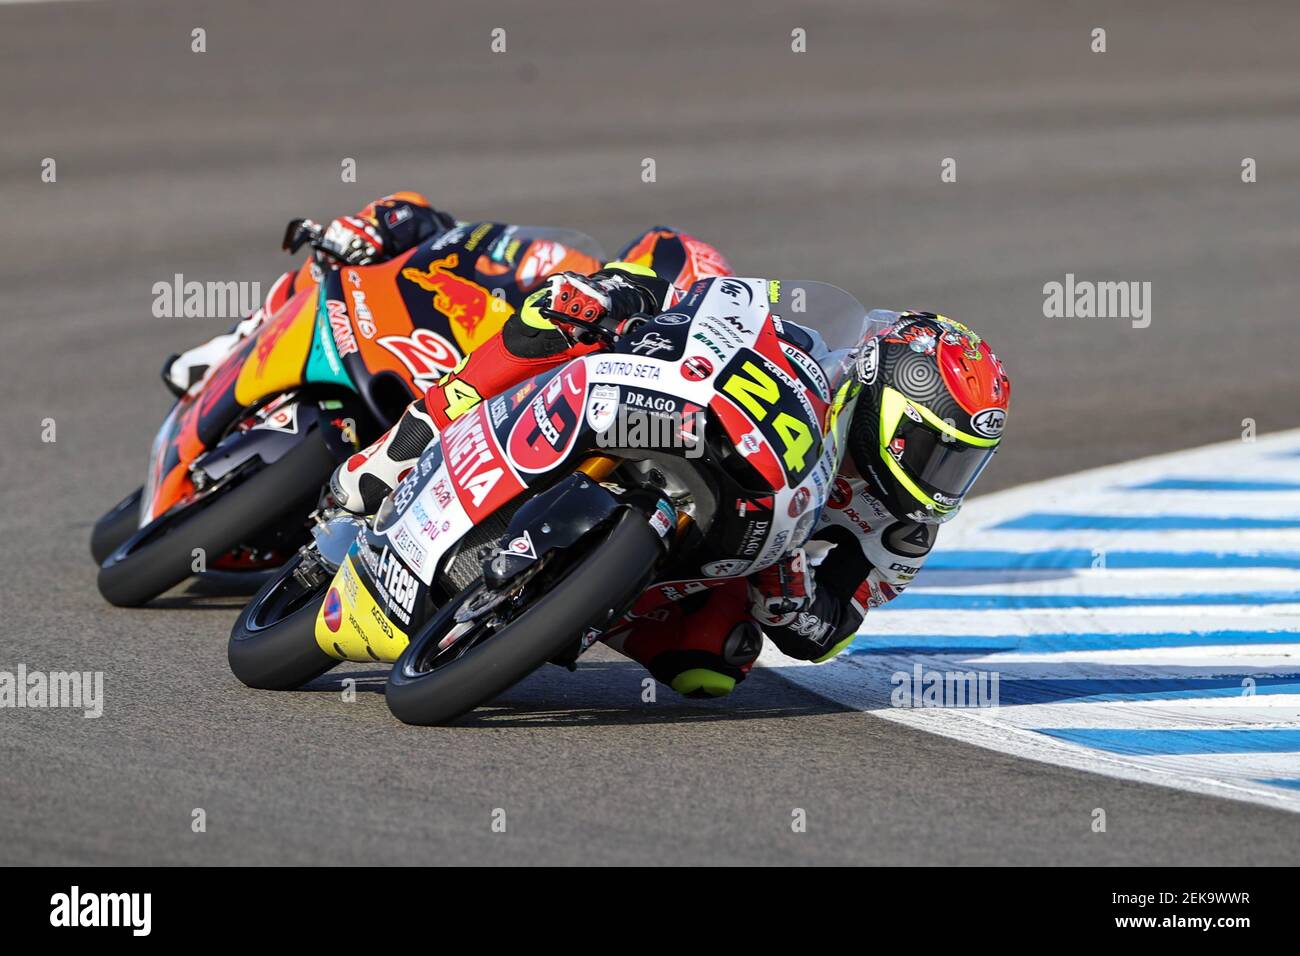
(118, 523)
(273, 644)
(161, 554)
(424, 690)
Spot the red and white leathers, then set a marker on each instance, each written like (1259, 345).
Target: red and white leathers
(858, 557)
(810, 605)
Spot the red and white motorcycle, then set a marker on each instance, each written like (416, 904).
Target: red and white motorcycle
(699, 448)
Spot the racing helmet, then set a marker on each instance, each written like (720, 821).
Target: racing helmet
(928, 416)
(407, 217)
(675, 256)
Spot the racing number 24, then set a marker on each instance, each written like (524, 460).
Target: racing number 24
(760, 393)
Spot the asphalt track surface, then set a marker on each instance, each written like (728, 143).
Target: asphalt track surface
(1123, 165)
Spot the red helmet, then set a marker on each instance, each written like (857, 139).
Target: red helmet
(677, 257)
(929, 416)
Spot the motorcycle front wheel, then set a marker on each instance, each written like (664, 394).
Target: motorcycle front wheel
(273, 644)
(117, 524)
(431, 684)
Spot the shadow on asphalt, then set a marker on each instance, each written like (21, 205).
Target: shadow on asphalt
(608, 693)
(230, 589)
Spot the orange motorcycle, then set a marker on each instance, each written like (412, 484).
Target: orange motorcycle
(238, 464)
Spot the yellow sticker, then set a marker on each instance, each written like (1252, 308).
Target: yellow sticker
(352, 627)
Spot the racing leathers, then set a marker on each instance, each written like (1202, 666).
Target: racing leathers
(810, 604)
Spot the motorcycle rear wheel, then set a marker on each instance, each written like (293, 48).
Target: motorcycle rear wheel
(428, 686)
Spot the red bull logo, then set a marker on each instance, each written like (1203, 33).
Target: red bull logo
(270, 335)
(463, 302)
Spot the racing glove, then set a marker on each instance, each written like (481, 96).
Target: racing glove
(385, 228)
(607, 298)
(780, 592)
(352, 241)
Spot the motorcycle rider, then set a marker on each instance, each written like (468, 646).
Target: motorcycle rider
(395, 223)
(928, 406)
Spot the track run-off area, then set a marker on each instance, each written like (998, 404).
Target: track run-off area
(1139, 620)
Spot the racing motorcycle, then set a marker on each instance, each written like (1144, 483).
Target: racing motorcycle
(535, 522)
(238, 464)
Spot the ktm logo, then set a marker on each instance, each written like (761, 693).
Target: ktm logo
(460, 300)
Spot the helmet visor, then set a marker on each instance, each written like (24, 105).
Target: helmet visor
(935, 462)
(938, 462)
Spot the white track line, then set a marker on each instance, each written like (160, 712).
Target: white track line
(1190, 678)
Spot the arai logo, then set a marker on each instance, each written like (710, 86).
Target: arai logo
(988, 422)
(868, 362)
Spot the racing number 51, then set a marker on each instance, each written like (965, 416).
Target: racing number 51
(760, 394)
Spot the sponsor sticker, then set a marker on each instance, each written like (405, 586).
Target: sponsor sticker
(799, 501)
(602, 406)
(629, 369)
(651, 343)
(522, 546)
(664, 518)
(989, 422)
(726, 568)
(544, 433)
(365, 318)
(869, 362)
(405, 544)
(841, 493)
(333, 612)
(283, 419)
(341, 327)
(475, 466)
(696, 368)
